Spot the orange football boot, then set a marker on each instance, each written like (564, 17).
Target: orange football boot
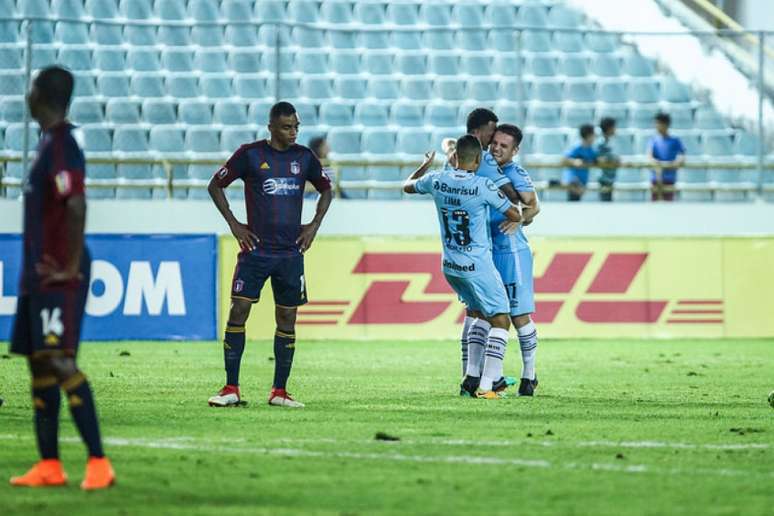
(47, 472)
(99, 474)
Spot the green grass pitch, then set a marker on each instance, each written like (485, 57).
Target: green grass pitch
(618, 427)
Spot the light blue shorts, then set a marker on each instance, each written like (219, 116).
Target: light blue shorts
(484, 293)
(516, 272)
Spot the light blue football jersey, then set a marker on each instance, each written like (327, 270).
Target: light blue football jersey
(502, 243)
(489, 169)
(463, 201)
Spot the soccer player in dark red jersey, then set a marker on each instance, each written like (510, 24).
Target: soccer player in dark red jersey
(272, 242)
(54, 285)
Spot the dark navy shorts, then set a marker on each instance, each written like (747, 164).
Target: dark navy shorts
(287, 279)
(49, 321)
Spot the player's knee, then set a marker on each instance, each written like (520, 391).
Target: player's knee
(286, 319)
(500, 321)
(521, 320)
(239, 312)
(63, 367)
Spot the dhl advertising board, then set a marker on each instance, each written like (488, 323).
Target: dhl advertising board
(392, 288)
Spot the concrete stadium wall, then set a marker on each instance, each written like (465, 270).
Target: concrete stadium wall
(407, 218)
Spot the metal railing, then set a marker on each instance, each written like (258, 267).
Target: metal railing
(170, 184)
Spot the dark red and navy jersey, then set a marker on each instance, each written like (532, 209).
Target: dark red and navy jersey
(274, 191)
(56, 175)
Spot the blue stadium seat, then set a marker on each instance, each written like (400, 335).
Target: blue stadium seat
(532, 15)
(407, 114)
(413, 141)
(86, 111)
(215, 86)
(72, 33)
(106, 35)
(202, 139)
(413, 63)
(9, 31)
(109, 59)
(139, 35)
(471, 40)
(543, 116)
(438, 40)
(476, 64)
(73, 58)
(383, 88)
(574, 65)
(641, 117)
(96, 139)
(210, 60)
(68, 8)
(143, 59)
(43, 56)
(644, 91)
(335, 114)
(241, 36)
(508, 64)
(564, 17)
(42, 32)
(11, 58)
(574, 115)
(682, 116)
(309, 37)
(547, 91)
(303, 11)
(570, 42)
(416, 88)
(623, 144)
(205, 10)
(174, 36)
(194, 112)
(435, 13)
(113, 84)
(345, 62)
(542, 66)
(534, 41)
(375, 40)
(311, 60)
(14, 140)
(500, 13)
(307, 113)
(245, 61)
(132, 140)
(638, 66)
(12, 109)
(344, 140)
(441, 115)
(746, 144)
(316, 87)
(182, 85)
(342, 39)
(170, 9)
(371, 114)
(675, 91)
(612, 91)
(718, 146)
(502, 40)
(288, 88)
(336, 12)
(483, 89)
(379, 63)
(402, 13)
(104, 9)
(601, 43)
(510, 113)
(208, 36)
(369, 13)
(167, 139)
(407, 40)
(606, 65)
(258, 112)
(379, 141)
(353, 88)
(551, 144)
(438, 135)
(122, 111)
(269, 62)
(231, 138)
(512, 90)
(707, 118)
(159, 111)
(581, 90)
(270, 10)
(446, 63)
(450, 88)
(84, 84)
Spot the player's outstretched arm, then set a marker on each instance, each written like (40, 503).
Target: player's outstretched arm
(408, 186)
(246, 238)
(309, 231)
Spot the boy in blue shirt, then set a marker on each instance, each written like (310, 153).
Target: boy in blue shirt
(667, 153)
(578, 160)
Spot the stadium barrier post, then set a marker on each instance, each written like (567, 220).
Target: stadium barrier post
(521, 102)
(277, 55)
(761, 93)
(27, 78)
(168, 172)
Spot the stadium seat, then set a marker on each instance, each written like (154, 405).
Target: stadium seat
(303, 11)
(379, 64)
(534, 41)
(306, 111)
(210, 60)
(122, 111)
(483, 89)
(441, 115)
(612, 91)
(606, 66)
(379, 141)
(71, 33)
(564, 17)
(514, 90)
(682, 116)
(574, 66)
(86, 111)
(435, 14)
(345, 62)
(644, 91)
(173, 36)
(550, 144)
(167, 139)
(11, 58)
(641, 117)
(182, 85)
(206, 36)
(11, 82)
(9, 31)
(159, 111)
(601, 43)
(413, 141)
(369, 13)
(241, 36)
(130, 139)
(74, 58)
(407, 114)
(85, 85)
(12, 109)
(202, 139)
(746, 144)
(41, 32)
(113, 84)
(371, 114)
(288, 88)
(244, 61)
(311, 61)
(269, 62)
(638, 66)
(444, 63)
(374, 40)
(708, 118)
(500, 13)
(406, 40)
(532, 15)
(471, 40)
(231, 138)
(353, 88)
(109, 59)
(402, 13)
(575, 116)
(106, 34)
(510, 113)
(476, 64)
(342, 39)
(383, 88)
(344, 140)
(541, 66)
(335, 114)
(230, 112)
(101, 9)
(413, 63)
(215, 86)
(502, 40)
(718, 146)
(204, 10)
(436, 40)
(43, 56)
(543, 116)
(547, 91)
(309, 37)
(143, 59)
(258, 113)
(270, 10)
(507, 64)
(147, 85)
(675, 91)
(336, 12)
(581, 90)
(450, 88)
(570, 42)
(316, 87)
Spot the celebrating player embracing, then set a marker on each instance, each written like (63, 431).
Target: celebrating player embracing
(272, 242)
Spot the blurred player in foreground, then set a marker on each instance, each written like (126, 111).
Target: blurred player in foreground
(511, 253)
(272, 243)
(54, 287)
(463, 199)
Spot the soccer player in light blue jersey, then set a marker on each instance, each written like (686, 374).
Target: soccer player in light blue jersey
(463, 201)
(511, 253)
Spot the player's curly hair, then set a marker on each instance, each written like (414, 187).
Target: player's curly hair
(480, 117)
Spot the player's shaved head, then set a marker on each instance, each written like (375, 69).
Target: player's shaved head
(53, 88)
(468, 152)
(281, 109)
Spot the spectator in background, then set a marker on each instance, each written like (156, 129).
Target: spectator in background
(578, 160)
(667, 153)
(606, 156)
(321, 149)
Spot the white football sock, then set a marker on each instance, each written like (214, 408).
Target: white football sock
(495, 354)
(464, 342)
(477, 336)
(528, 341)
